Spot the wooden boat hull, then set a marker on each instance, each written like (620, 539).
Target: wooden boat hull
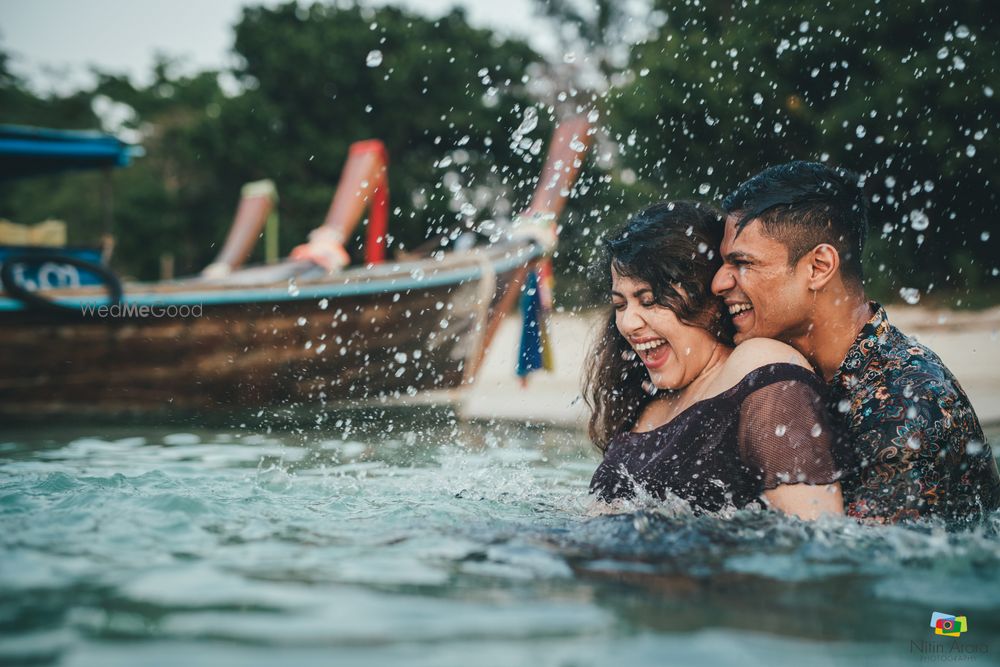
(375, 334)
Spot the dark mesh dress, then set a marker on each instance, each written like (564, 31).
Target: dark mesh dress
(724, 451)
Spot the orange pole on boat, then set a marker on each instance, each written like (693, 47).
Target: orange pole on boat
(257, 200)
(570, 142)
(363, 184)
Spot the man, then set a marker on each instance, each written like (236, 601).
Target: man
(792, 270)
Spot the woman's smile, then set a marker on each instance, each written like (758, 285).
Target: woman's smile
(654, 353)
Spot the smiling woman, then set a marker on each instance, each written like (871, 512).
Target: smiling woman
(676, 410)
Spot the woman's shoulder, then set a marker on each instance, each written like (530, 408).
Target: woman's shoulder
(758, 353)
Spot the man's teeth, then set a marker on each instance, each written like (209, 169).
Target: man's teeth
(642, 347)
(738, 308)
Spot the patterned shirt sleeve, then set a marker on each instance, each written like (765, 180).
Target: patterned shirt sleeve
(910, 448)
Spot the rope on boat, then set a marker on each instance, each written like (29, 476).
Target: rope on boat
(33, 299)
(487, 288)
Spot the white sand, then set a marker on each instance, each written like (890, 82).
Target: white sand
(969, 343)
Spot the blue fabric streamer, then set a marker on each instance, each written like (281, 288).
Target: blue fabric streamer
(529, 359)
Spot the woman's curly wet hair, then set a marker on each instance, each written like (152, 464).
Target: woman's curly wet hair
(674, 248)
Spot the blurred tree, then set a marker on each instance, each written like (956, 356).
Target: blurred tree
(900, 95)
(444, 97)
(904, 94)
(692, 98)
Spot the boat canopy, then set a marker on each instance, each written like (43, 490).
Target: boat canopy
(32, 151)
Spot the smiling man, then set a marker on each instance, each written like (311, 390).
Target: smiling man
(792, 270)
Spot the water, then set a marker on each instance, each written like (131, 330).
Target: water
(435, 542)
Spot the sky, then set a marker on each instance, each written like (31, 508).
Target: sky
(53, 43)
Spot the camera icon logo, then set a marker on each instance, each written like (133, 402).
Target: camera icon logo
(948, 625)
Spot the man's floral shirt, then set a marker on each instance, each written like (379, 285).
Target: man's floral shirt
(919, 447)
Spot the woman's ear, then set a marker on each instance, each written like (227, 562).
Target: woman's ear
(823, 265)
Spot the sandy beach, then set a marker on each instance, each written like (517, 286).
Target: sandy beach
(968, 342)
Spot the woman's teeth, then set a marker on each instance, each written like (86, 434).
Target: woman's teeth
(642, 347)
(738, 308)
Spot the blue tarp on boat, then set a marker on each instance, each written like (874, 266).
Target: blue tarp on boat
(32, 151)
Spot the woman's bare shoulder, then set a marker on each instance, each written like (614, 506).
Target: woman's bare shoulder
(756, 352)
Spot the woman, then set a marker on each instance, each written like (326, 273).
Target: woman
(676, 410)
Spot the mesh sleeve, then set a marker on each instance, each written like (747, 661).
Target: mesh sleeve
(784, 434)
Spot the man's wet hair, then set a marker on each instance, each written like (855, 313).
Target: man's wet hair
(802, 204)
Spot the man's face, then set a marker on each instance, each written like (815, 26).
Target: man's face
(766, 297)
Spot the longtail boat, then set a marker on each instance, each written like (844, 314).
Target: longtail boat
(308, 331)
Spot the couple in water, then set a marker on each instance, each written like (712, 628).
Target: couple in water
(743, 364)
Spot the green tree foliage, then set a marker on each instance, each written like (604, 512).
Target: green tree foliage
(443, 96)
(694, 96)
(899, 91)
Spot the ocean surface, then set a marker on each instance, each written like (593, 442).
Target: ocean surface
(424, 540)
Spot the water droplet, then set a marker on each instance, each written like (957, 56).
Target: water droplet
(816, 430)
(942, 53)
(970, 150)
(400, 357)
(293, 289)
(913, 442)
(758, 99)
(919, 220)
(910, 295)
(374, 58)
(593, 116)
(777, 128)
(985, 236)
(780, 430)
(860, 131)
(704, 188)
(843, 406)
(974, 447)
(988, 91)
(962, 31)
(529, 123)
(324, 304)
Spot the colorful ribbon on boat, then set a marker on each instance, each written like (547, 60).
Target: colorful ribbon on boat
(536, 306)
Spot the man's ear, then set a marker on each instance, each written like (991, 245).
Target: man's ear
(823, 265)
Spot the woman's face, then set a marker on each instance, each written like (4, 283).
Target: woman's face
(674, 353)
